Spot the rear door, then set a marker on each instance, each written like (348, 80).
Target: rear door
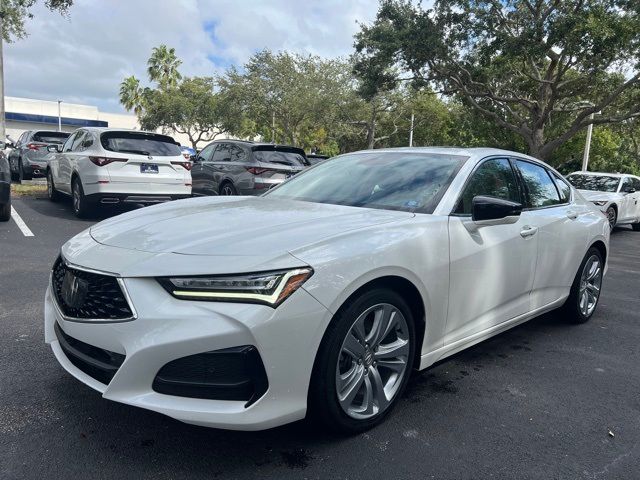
(627, 210)
(561, 235)
(143, 157)
(199, 171)
(67, 161)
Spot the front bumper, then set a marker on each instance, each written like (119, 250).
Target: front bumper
(167, 329)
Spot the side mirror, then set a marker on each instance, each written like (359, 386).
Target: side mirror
(195, 158)
(9, 145)
(53, 149)
(630, 190)
(490, 210)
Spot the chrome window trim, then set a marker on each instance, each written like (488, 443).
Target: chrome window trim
(121, 283)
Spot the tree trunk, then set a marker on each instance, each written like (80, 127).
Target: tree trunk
(371, 131)
(536, 145)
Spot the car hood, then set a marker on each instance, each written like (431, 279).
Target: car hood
(234, 226)
(595, 196)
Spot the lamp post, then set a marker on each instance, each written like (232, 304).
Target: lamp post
(411, 131)
(59, 117)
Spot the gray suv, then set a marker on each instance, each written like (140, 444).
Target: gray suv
(237, 167)
(28, 158)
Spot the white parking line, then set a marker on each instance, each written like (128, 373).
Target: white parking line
(21, 225)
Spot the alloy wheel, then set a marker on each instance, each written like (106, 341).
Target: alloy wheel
(76, 197)
(612, 217)
(49, 185)
(373, 361)
(227, 190)
(590, 285)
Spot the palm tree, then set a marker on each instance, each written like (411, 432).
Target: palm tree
(132, 95)
(162, 67)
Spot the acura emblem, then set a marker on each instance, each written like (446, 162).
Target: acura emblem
(74, 290)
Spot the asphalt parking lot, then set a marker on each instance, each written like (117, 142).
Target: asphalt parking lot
(546, 400)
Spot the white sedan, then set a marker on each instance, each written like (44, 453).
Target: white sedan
(97, 166)
(617, 195)
(320, 297)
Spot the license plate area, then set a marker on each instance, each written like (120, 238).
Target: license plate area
(148, 168)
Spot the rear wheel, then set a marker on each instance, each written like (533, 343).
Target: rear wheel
(5, 211)
(612, 215)
(636, 227)
(81, 206)
(52, 193)
(227, 188)
(364, 362)
(24, 175)
(585, 291)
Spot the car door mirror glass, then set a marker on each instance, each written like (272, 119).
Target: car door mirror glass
(489, 210)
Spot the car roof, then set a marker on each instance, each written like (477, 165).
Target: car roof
(474, 152)
(251, 143)
(604, 174)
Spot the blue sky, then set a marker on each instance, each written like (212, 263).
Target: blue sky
(83, 57)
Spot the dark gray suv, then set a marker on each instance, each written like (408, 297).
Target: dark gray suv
(28, 157)
(5, 189)
(237, 167)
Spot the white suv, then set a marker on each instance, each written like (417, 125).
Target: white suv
(108, 166)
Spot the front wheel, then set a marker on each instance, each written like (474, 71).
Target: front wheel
(227, 188)
(81, 206)
(612, 216)
(52, 193)
(585, 291)
(5, 211)
(364, 362)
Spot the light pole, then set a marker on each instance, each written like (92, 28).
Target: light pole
(411, 131)
(59, 117)
(587, 144)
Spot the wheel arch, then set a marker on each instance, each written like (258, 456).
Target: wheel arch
(602, 248)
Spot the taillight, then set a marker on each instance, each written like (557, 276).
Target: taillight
(256, 170)
(102, 161)
(36, 146)
(185, 165)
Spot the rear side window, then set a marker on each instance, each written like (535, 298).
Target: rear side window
(540, 188)
(77, 142)
(140, 144)
(494, 178)
(290, 157)
(57, 138)
(205, 154)
(563, 188)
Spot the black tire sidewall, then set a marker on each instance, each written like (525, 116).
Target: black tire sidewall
(230, 185)
(572, 307)
(53, 195)
(323, 400)
(615, 213)
(83, 207)
(5, 212)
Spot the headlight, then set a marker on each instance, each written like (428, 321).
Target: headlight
(599, 202)
(269, 288)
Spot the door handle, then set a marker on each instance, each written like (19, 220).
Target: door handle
(572, 215)
(528, 231)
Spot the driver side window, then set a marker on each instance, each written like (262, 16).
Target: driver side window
(205, 154)
(494, 178)
(67, 145)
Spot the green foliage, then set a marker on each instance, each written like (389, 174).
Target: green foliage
(15, 13)
(162, 67)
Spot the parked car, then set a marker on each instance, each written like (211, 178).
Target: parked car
(617, 195)
(110, 166)
(187, 152)
(28, 158)
(5, 189)
(316, 158)
(237, 167)
(321, 296)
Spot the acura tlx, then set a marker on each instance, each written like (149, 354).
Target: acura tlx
(319, 298)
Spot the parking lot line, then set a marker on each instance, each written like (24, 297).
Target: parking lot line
(21, 225)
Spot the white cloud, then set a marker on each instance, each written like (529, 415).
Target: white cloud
(84, 57)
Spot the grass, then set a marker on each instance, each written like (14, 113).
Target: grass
(28, 190)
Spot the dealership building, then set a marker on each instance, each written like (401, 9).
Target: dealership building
(23, 114)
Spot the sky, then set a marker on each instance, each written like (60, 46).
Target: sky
(83, 57)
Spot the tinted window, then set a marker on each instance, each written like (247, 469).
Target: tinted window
(57, 138)
(386, 180)
(140, 143)
(69, 142)
(540, 189)
(222, 153)
(599, 183)
(290, 157)
(205, 154)
(636, 184)
(494, 178)
(237, 153)
(627, 184)
(563, 188)
(77, 142)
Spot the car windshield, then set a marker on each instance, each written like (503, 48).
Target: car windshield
(57, 138)
(283, 156)
(405, 181)
(599, 183)
(140, 143)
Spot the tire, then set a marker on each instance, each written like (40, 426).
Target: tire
(14, 175)
(636, 227)
(81, 206)
(23, 174)
(355, 413)
(227, 189)
(574, 307)
(52, 193)
(5, 211)
(612, 215)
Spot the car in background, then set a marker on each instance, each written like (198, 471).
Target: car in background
(5, 189)
(28, 158)
(617, 195)
(316, 158)
(322, 296)
(238, 167)
(187, 152)
(112, 166)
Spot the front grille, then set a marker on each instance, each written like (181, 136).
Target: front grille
(88, 296)
(96, 362)
(230, 374)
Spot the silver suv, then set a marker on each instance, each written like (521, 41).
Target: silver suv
(237, 167)
(28, 158)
